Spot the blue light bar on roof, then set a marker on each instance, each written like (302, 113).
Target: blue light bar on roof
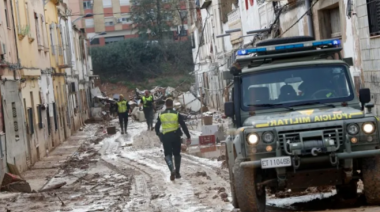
(334, 42)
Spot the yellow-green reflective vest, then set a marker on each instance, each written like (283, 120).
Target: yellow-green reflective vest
(147, 102)
(122, 106)
(169, 122)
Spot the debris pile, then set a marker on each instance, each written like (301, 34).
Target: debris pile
(14, 183)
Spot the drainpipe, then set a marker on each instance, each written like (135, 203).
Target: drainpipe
(310, 18)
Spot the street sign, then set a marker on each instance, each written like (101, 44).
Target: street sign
(207, 139)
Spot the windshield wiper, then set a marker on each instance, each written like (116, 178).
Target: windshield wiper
(264, 105)
(270, 105)
(314, 103)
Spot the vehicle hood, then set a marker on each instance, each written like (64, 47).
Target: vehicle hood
(303, 117)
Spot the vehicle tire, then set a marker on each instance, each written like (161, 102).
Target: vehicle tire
(245, 185)
(371, 179)
(349, 191)
(232, 182)
(285, 40)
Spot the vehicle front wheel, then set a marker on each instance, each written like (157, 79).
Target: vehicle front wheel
(246, 191)
(371, 179)
(348, 191)
(232, 182)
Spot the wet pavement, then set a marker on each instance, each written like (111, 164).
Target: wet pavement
(128, 173)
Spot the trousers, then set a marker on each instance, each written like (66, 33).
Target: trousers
(172, 144)
(148, 113)
(123, 120)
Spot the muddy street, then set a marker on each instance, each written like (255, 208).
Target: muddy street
(128, 173)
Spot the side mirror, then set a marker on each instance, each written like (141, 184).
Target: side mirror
(229, 109)
(364, 96)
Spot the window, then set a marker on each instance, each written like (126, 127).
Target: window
(52, 28)
(48, 119)
(291, 87)
(87, 5)
(43, 41)
(31, 126)
(55, 116)
(124, 20)
(39, 112)
(18, 16)
(6, 13)
(38, 34)
(124, 2)
(27, 14)
(109, 40)
(373, 17)
(15, 122)
(107, 3)
(109, 22)
(95, 41)
(89, 22)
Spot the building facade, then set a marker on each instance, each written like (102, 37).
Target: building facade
(9, 71)
(33, 51)
(59, 63)
(354, 23)
(367, 24)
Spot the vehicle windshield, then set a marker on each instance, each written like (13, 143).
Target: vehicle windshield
(296, 87)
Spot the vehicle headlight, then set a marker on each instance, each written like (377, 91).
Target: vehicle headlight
(353, 129)
(268, 137)
(368, 128)
(253, 138)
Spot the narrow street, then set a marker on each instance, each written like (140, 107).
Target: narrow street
(128, 173)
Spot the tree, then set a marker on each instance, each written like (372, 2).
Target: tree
(154, 18)
(139, 60)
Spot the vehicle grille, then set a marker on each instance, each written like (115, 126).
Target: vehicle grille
(294, 135)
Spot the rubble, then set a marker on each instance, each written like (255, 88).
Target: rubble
(20, 186)
(53, 187)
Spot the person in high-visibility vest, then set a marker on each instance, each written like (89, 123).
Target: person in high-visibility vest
(123, 109)
(170, 121)
(148, 107)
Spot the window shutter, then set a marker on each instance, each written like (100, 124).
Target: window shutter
(31, 118)
(107, 3)
(48, 119)
(55, 116)
(39, 110)
(374, 17)
(89, 23)
(124, 2)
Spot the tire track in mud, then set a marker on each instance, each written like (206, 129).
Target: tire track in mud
(140, 196)
(191, 192)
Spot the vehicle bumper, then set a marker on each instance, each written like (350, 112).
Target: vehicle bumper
(340, 156)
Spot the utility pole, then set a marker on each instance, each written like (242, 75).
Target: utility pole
(159, 19)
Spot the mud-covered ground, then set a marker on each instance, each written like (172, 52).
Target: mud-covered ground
(128, 173)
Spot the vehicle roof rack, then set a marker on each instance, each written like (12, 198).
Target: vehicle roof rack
(282, 51)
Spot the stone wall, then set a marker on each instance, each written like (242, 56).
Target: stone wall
(370, 54)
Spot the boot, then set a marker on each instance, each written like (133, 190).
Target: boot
(177, 161)
(169, 162)
(122, 131)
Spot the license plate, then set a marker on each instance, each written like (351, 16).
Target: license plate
(268, 163)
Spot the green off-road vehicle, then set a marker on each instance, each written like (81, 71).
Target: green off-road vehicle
(299, 123)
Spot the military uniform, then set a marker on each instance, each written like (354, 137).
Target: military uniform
(171, 121)
(122, 110)
(148, 110)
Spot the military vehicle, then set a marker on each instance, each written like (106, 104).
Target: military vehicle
(299, 122)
